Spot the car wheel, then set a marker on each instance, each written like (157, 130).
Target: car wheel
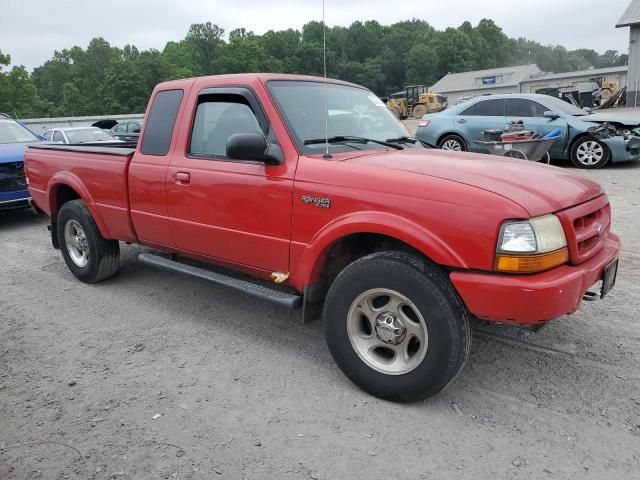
(396, 327)
(452, 142)
(90, 257)
(587, 152)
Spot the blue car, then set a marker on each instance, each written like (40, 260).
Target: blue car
(458, 127)
(14, 139)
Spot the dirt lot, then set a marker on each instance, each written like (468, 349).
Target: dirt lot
(152, 375)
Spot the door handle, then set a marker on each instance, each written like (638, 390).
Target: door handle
(461, 120)
(182, 177)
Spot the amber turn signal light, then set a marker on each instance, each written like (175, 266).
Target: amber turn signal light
(531, 263)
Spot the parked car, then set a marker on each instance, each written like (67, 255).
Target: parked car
(458, 127)
(14, 139)
(76, 135)
(394, 243)
(127, 131)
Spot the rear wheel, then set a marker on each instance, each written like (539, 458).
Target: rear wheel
(90, 257)
(589, 153)
(419, 111)
(452, 142)
(396, 327)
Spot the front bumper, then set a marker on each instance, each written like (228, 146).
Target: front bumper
(622, 150)
(533, 299)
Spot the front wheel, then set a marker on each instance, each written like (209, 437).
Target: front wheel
(589, 153)
(395, 327)
(90, 257)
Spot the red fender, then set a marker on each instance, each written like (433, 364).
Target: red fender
(70, 180)
(420, 238)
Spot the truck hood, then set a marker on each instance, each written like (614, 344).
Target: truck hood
(538, 188)
(12, 152)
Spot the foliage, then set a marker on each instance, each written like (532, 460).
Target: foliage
(102, 79)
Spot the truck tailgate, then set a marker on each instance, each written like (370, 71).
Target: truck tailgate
(98, 175)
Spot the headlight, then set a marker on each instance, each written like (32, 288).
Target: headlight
(531, 245)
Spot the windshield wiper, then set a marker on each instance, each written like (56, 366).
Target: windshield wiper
(403, 139)
(348, 138)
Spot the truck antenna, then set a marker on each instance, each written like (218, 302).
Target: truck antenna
(326, 155)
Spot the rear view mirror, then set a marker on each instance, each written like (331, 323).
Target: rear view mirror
(551, 115)
(253, 146)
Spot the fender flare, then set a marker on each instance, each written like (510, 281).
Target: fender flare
(381, 223)
(64, 178)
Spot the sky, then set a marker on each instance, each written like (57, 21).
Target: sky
(31, 30)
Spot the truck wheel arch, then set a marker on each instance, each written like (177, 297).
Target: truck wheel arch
(384, 226)
(65, 187)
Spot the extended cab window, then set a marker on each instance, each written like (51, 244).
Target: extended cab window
(486, 108)
(522, 107)
(216, 119)
(162, 119)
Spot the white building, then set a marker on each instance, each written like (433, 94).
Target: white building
(521, 79)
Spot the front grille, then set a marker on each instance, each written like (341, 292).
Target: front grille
(586, 227)
(12, 177)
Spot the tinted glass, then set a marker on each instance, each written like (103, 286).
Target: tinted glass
(162, 119)
(486, 108)
(522, 107)
(133, 128)
(216, 121)
(57, 136)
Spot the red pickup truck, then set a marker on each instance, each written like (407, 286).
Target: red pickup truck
(312, 195)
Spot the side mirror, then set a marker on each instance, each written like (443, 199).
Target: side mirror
(588, 109)
(551, 115)
(253, 146)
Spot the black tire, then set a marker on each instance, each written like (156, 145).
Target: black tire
(577, 149)
(447, 139)
(103, 254)
(445, 316)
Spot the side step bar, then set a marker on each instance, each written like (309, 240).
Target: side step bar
(273, 295)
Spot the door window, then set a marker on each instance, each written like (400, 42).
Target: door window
(47, 136)
(216, 120)
(120, 128)
(522, 107)
(487, 108)
(57, 136)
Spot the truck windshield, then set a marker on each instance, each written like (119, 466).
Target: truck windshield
(12, 132)
(350, 112)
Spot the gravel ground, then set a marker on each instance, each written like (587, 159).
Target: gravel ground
(152, 375)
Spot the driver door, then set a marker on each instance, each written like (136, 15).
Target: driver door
(232, 210)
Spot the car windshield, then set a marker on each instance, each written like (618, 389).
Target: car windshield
(87, 135)
(348, 112)
(564, 107)
(12, 132)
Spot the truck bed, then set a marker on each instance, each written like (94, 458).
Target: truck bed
(98, 174)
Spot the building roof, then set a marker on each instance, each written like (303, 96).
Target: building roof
(631, 15)
(593, 72)
(484, 79)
